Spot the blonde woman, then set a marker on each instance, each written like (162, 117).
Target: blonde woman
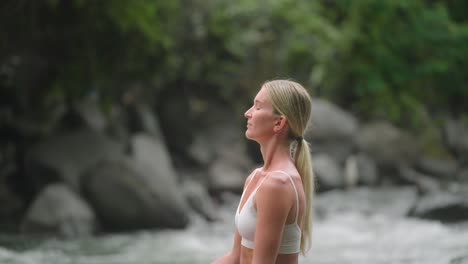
(273, 216)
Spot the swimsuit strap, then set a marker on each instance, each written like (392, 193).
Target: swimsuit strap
(295, 190)
(243, 192)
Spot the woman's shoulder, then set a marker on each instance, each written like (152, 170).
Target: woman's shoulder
(277, 180)
(251, 175)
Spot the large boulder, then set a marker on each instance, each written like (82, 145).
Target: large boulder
(220, 147)
(65, 157)
(331, 130)
(125, 198)
(59, 210)
(387, 145)
(137, 193)
(442, 206)
(329, 121)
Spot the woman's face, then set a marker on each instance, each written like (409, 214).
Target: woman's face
(260, 118)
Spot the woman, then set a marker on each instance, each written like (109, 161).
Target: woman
(273, 217)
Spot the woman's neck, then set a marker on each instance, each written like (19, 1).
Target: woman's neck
(275, 153)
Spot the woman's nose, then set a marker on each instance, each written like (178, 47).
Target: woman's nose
(247, 113)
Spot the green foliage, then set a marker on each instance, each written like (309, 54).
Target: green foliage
(397, 55)
(380, 58)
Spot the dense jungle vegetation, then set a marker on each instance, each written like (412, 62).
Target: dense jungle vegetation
(393, 59)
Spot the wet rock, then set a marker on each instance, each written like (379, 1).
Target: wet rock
(231, 165)
(331, 130)
(328, 121)
(202, 149)
(90, 113)
(59, 210)
(129, 195)
(460, 260)
(442, 206)
(327, 172)
(225, 176)
(199, 200)
(220, 138)
(424, 183)
(455, 136)
(387, 145)
(445, 169)
(360, 169)
(142, 119)
(177, 131)
(462, 175)
(65, 157)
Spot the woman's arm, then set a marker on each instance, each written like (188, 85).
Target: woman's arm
(273, 203)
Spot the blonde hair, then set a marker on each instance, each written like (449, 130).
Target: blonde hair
(294, 102)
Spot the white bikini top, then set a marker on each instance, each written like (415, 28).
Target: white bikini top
(246, 221)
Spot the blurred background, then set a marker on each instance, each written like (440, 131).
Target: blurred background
(122, 127)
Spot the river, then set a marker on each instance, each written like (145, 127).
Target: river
(341, 238)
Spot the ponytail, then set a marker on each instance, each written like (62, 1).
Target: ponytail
(303, 164)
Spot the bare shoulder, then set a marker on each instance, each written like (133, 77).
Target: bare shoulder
(276, 183)
(280, 182)
(276, 186)
(251, 175)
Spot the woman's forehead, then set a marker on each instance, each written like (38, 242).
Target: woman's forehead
(261, 96)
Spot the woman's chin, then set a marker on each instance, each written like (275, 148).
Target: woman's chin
(247, 134)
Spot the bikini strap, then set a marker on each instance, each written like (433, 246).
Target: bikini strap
(243, 192)
(295, 190)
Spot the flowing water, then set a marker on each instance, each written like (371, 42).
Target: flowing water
(342, 238)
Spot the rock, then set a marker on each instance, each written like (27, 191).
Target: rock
(141, 119)
(360, 169)
(387, 145)
(220, 137)
(328, 121)
(327, 172)
(202, 149)
(11, 204)
(462, 175)
(177, 131)
(444, 169)
(338, 149)
(231, 164)
(129, 195)
(460, 260)
(59, 210)
(331, 130)
(65, 157)
(424, 183)
(199, 200)
(90, 113)
(455, 136)
(225, 176)
(153, 152)
(442, 206)
(389, 201)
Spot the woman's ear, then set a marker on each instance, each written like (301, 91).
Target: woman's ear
(280, 123)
